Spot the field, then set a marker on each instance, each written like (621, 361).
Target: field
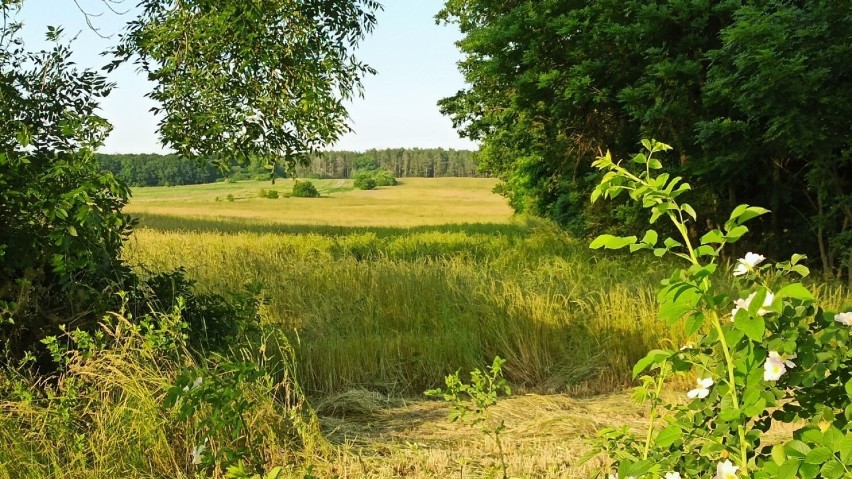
(382, 293)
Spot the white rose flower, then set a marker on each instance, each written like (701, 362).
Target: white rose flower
(702, 390)
(844, 318)
(776, 365)
(744, 265)
(745, 303)
(726, 470)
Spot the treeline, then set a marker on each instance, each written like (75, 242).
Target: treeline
(402, 162)
(173, 170)
(157, 170)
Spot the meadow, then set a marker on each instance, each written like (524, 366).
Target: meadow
(370, 298)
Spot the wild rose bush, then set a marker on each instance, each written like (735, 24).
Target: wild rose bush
(766, 358)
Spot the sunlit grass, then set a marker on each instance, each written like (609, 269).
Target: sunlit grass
(415, 202)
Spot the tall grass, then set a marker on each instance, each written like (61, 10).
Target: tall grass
(395, 310)
(109, 414)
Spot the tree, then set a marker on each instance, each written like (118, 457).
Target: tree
(250, 78)
(739, 88)
(236, 79)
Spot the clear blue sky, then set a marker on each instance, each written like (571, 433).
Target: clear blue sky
(415, 59)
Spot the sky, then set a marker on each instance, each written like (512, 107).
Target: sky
(415, 58)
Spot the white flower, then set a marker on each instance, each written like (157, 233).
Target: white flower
(726, 470)
(673, 475)
(776, 365)
(197, 452)
(748, 263)
(844, 318)
(745, 303)
(702, 390)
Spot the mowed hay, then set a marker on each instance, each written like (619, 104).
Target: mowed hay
(545, 436)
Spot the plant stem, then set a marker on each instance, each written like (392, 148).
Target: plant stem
(656, 401)
(732, 388)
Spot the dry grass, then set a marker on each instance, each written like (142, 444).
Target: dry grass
(545, 437)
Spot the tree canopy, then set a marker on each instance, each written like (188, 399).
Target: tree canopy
(754, 96)
(234, 79)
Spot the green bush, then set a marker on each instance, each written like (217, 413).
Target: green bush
(230, 197)
(384, 178)
(364, 180)
(305, 189)
(272, 194)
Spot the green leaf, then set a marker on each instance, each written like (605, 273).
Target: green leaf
(795, 291)
(753, 327)
(668, 436)
(612, 242)
(778, 454)
(714, 236)
(818, 455)
(71, 230)
(832, 470)
(797, 449)
(736, 233)
(693, 324)
(671, 312)
(743, 213)
(635, 469)
(650, 238)
(653, 357)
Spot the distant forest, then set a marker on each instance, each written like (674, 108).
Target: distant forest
(173, 170)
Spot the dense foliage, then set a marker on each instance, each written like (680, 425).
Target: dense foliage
(61, 226)
(772, 367)
(158, 170)
(755, 97)
(250, 79)
(401, 162)
(305, 189)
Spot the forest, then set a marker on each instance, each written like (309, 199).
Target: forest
(173, 170)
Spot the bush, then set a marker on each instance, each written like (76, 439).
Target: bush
(364, 180)
(305, 189)
(765, 357)
(384, 178)
(230, 197)
(272, 194)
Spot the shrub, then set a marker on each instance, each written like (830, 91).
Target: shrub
(364, 181)
(305, 189)
(272, 194)
(384, 178)
(261, 193)
(230, 197)
(766, 357)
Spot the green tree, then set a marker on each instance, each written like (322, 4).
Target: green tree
(235, 80)
(753, 95)
(250, 79)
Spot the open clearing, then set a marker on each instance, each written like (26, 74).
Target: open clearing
(415, 202)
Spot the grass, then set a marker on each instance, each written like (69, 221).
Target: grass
(415, 202)
(380, 295)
